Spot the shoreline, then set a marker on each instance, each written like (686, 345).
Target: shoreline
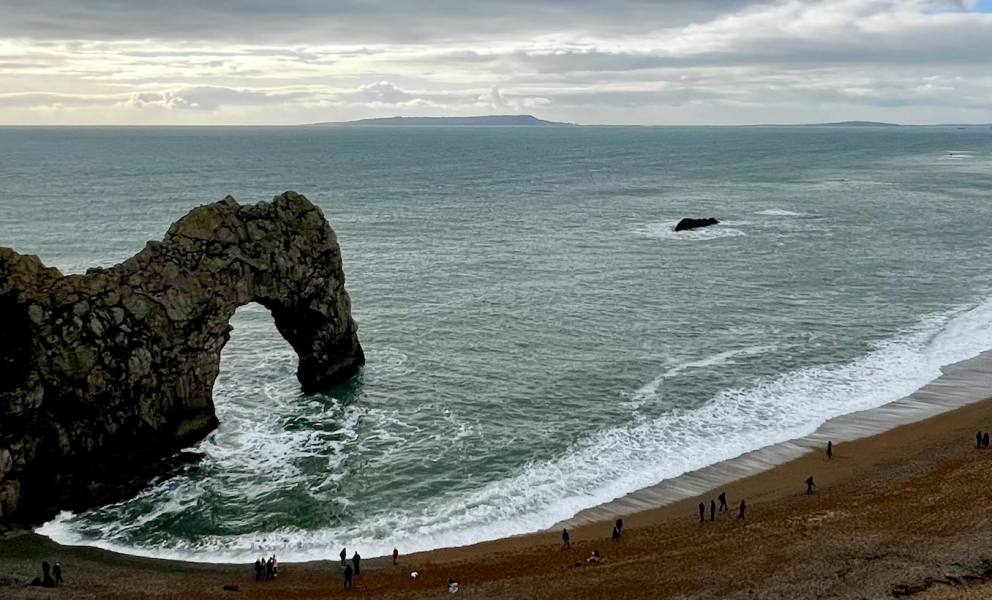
(959, 384)
(925, 468)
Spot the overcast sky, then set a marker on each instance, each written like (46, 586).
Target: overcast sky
(583, 61)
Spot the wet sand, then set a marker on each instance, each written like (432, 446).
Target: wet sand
(904, 512)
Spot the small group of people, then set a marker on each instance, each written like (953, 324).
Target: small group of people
(723, 506)
(266, 569)
(50, 576)
(982, 441)
(617, 530)
(349, 572)
(353, 570)
(566, 541)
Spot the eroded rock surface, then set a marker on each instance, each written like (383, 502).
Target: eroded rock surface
(114, 369)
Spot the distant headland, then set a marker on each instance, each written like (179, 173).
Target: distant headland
(483, 121)
(856, 124)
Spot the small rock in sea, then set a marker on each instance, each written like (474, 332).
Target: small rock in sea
(690, 223)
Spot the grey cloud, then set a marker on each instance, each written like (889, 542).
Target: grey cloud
(340, 21)
(48, 99)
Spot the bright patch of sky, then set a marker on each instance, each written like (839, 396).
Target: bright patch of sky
(622, 61)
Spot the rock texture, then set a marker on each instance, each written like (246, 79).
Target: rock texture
(690, 223)
(114, 369)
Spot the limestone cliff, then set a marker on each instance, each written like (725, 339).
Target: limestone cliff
(114, 369)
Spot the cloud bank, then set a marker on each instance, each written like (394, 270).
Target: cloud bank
(585, 61)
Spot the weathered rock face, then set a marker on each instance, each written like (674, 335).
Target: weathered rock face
(115, 368)
(690, 223)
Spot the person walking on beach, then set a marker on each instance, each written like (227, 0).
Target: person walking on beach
(357, 560)
(830, 449)
(712, 510)
(985, 440)
(702, 512)
(344, 557)
(723, 501)
(740, 516)
(57, 573)
(565, 544)
(620, 525)
(396, 555)
(810, 486)
(616, 534)
(978, 439)
(258, 569)
(347, 577)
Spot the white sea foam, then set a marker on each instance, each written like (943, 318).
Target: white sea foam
(387, 363)
(666, 231)
(649, 391)
(620, 460)
(776, 212)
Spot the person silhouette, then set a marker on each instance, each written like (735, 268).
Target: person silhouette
(258, 569)
(830, 449)
(396, 555)
(616, 534)
(712, 510)
(702, 512)
(565, 544)
(723, 501)
(620, 525)
(344, 557)
(740, 516)
(985, 440)
(810, 486)
(57, 573)
(978, 439)
(347, 577)
(357, 560)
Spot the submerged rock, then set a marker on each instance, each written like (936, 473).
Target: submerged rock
(690, 223)
(110, 371)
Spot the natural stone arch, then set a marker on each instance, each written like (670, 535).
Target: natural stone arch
(117, 366)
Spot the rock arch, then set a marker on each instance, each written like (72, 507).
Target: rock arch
(115, 369)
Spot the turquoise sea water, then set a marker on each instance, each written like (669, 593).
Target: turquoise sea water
(539, 339)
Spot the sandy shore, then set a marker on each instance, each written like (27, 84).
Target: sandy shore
(903, 512)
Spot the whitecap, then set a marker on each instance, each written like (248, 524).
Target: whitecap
(776, 212)
(666, 231)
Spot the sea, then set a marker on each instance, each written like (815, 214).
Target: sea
(540, 341)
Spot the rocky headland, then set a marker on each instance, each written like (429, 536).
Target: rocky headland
(105, 374)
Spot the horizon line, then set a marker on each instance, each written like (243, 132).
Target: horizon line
(558, 125)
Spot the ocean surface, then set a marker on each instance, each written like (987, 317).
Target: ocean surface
(539, 340)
